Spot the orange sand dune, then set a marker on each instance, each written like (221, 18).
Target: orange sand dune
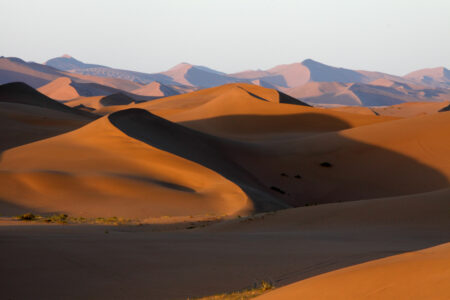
(412, 212)
(64, 88)
(246, 110)
(21, 93)
(21, 124)
(117, 83)
(393, 158)
(355, 110)
(16, 70)
(412, 109)
(156, 89)
(421, 274)
(60, 89)
(99, 170)
(27, 116)
(103, 104)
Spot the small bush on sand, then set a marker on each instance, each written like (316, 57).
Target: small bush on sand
(27, 217)
(257, 290)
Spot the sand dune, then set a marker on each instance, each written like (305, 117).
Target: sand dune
(447, 108)
(156, 89)
(101, 171)
(102, 104)
(413, 212)
(432, 76)
(417, 275)
(381, 92)
(291, 251)
(411, 109)
(72, 65)
(28, 116)
(190, 75)
(386, 159)
(16, 70)
(21, 124)
(36, 75)
(64, 88)
(247, 110)
(231, 150)
(298, 74)
(355, 110)
(21, 93)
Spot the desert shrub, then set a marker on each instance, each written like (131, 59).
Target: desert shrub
(27, 217)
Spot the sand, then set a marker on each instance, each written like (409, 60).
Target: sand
(417, 275)
(282, 247)
(232, 152)
(245, 111)
(100, 171)
(156, 89)
(413, 109)
(27, 116)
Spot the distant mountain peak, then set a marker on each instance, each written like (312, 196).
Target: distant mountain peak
(309, 60)
(66, 56)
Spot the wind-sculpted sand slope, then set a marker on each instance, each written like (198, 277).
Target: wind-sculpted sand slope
(422, 211)
(129, 164)
(27, 116)
(21, 93)
(387, 159)
(102, 105)
(248, 111)
(282, 247)
(64, 88)
(411, 109)
(421, 274)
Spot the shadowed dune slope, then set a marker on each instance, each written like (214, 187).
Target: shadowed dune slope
(98, 102)
(21, 124)
(27, 116)
(378, 93)
(421, 274)
(21, 93)
(447, 108)
(419, 211)
(101, 170)
(156, 89)
(432, 76)
(393, 158)
(65, 88)
(16, 70)
(223, 111)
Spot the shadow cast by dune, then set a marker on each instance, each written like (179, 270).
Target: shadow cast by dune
(304, 141)
(201, 148)
(266, 124)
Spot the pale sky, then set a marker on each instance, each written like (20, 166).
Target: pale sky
(393, 36)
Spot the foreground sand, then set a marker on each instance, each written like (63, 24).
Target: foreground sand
(417, 275)
(142, 262)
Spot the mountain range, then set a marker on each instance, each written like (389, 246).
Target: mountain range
(309, 81)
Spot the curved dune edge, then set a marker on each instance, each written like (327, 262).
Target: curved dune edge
(421, 274)
(100, 171)
(60, 89)
(245, 110)
(425, 211)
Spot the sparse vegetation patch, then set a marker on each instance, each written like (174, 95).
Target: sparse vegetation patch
(257, 290)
